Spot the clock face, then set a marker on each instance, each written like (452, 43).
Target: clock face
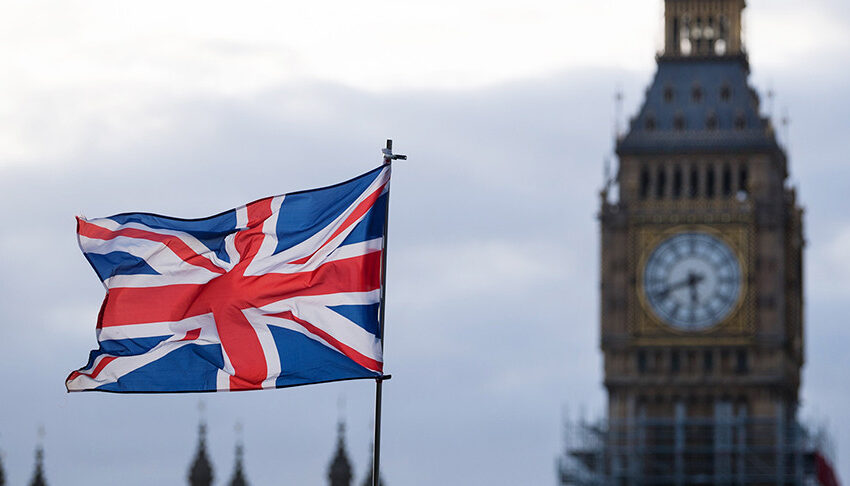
(692, 281)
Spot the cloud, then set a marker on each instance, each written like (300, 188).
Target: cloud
(829, 277)
(492, 289)
(493, 284)
(475, 267)
(787, 36)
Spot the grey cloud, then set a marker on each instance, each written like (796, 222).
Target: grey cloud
(479, 377)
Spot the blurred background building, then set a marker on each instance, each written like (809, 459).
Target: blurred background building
(201, 471)
(701, 281)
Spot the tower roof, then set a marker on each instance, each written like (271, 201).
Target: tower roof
(339, 472)
(201, 472)
(699, 105)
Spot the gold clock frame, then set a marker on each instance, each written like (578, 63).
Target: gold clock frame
(738, 324)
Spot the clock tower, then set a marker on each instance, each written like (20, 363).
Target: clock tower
(701, 275)
(702, 251)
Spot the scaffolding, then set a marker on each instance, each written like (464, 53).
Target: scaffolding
(724, 449)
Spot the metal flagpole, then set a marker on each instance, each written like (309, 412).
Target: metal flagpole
(379, 381)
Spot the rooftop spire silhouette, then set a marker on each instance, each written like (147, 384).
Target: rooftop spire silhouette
(238, 478)
(339, 472)
(201, 472)
(38, 474)
(2, 474)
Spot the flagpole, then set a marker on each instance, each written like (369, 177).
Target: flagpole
(379, 381)
(376, 454)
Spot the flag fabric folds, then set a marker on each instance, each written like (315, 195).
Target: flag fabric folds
(279, 292)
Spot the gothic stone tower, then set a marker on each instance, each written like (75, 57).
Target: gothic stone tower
(701, 273)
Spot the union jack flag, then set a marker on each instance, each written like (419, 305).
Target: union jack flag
(279, 292)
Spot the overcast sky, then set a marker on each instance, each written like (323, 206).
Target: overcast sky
(506, 111)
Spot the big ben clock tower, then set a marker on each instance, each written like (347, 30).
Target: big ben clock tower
(701, 277)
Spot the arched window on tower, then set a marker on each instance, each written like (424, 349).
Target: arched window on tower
(644, 183)
(722, 44)
(660, 182)
(741, 362)
(742, 181)
(675, 361)
(696, 94)
(711, 121)
(710, 34)
(685, 46)
(740, 122)
(677, 182)
(696, 35)
(693, 183)
(675, 28)
(709, 181)
(727, 180)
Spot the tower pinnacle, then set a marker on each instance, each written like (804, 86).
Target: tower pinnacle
(38, 475)
(238, 478)
(201, 473)
(339, 473)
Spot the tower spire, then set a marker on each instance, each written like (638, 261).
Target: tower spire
(38, 474)
(200, 472)
(238, 478)
(339, 472)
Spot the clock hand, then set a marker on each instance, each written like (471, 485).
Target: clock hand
(681, 283)
(693, 280)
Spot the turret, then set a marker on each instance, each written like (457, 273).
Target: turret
(339, 472)
(238, 478)
(38, 474)
(201, 472)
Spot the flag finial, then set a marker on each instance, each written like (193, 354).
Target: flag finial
(389, 156)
